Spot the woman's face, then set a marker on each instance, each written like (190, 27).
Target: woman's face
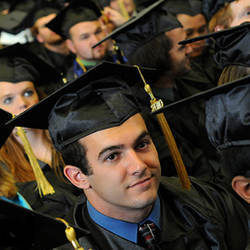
(17, 97)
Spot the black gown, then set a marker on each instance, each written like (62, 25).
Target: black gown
(206, 217)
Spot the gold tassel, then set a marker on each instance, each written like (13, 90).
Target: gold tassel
(123, 10)
(175, 154)
(71, 235)
(44, 187)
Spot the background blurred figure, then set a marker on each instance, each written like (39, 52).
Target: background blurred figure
(227, 13)
(79, 24)
(48, 45)
(204, 72)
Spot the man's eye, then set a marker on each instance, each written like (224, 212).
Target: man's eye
(28, 93)
(84, 37)
(112, 157)
(143, 145)
(7, 100)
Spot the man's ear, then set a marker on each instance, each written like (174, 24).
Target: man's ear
(76, 177)
(39, 38)
(241, 185)
(70, 46)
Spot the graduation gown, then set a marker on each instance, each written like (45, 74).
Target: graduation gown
(56, 205)
(201, 218)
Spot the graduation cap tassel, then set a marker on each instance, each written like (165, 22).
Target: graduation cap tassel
(44, 187)
(71, 235)
(175, 154)
(123, 9)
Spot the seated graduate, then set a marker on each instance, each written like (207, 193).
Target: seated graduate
(8, 188)
(97, 125)
(227, 127)
(79, 24)
(205, 72)
(20, 77)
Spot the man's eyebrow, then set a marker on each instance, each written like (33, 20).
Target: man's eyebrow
(110, 148)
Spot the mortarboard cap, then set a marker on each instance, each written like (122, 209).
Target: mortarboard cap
(5, 130)
(231, 45)
(19, 64)
(23, 228)
(99, 82)
(147, 24)
(18, 16)
(44, 9)
(77, 11)
(188, 7)
(228, 123)
(210, 7)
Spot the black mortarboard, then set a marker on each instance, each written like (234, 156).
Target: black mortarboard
(147, 24)
(228, 118)
(210, 7)
(44, 9)
(232, 45)
(228, 123)
(18, 16)
(188, 7)
(99, 82)
(77, 11)
(22, 228)
(5, 131)
(19, 64)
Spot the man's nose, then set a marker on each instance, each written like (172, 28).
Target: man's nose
(136, 165)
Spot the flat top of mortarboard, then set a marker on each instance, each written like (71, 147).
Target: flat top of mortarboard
(77, 11)
(204, 95)
(37, 115)
(19, 64)
(210, 7)
(18, 16)
(216, 34)
(27, 229)
(162, 24)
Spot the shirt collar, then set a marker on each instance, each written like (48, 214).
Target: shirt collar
(122, 228)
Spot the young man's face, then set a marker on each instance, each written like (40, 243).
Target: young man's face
(17, 97)
(194, 26)
(240, 12)
(84, 35)
(178, 53)
(125, 169)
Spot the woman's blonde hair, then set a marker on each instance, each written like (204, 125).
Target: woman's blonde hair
(7, 184)
(13, 156)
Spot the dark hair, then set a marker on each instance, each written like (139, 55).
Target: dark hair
(154, 54)
(75, 154)
(236, 161)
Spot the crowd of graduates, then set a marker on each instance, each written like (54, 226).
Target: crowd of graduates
(121, 115)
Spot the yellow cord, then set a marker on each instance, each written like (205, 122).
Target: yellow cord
(71, 235)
